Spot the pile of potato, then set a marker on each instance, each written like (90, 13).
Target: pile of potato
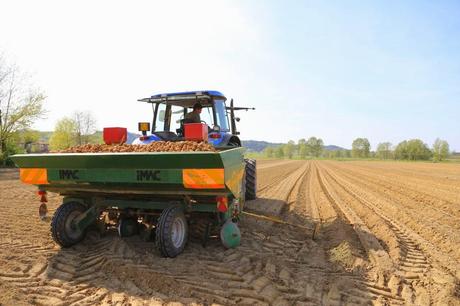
(157, 146)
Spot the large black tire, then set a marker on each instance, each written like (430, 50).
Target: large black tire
(128, 227)
(251, 179)
(62, 231)
(172, 231)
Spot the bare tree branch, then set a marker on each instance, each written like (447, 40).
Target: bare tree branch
(85, 125)
(20, 104)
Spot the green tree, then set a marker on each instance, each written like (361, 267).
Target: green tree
(20, 105)
(360, 148)
(384, 150)
(302, 148)
(413, 149)
(440, 150)
(269, 152)
(329, 154)
(401, 150)
(279, 152)
(315, 146)
(338, 153)
(64, 135)
(303, 151)
(29, 136)
(289, 149)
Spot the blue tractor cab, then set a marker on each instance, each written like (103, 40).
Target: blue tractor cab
(169, 110)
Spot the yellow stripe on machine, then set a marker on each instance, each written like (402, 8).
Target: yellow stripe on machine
(36, 176)
(203, 178)
(234, 181)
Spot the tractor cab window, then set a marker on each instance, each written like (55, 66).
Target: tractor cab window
(177, 114)
(160, 119)
(206, 116)
(221, 115)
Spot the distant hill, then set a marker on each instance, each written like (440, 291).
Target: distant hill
(259, 145)
(333, 148)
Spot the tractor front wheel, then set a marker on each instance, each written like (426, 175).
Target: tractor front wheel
(63, 228)
(172, 231)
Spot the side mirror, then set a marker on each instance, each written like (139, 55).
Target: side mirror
(237, 119)
(161, 115)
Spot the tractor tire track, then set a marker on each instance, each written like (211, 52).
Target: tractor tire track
(276, 264)
(272, 176)
(430, 235)
(378, 255)
(414, 264)
(290, 251)
(444, 208)
(446, 181)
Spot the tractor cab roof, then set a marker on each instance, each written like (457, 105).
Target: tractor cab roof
(186, 98)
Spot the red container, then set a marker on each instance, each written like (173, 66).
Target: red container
(196, 131)
(115, 135)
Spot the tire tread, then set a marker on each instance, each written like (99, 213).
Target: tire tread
(165, 221)
(58, 224)
(251, 179)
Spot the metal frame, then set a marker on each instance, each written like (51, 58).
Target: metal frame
(96, 205)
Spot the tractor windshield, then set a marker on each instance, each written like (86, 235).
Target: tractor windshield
(221, 115)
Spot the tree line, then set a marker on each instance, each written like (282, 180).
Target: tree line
(413, 149)
(313, 147)
(77, 129)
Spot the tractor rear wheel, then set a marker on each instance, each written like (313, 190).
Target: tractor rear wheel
(63, 229)
(251, 179)
(172, 231)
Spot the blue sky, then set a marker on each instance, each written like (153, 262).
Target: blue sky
(387, 70)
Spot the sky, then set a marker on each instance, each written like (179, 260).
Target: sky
(338, 70)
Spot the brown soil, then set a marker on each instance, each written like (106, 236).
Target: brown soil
(357, 233)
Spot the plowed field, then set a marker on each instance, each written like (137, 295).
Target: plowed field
(342, 233)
